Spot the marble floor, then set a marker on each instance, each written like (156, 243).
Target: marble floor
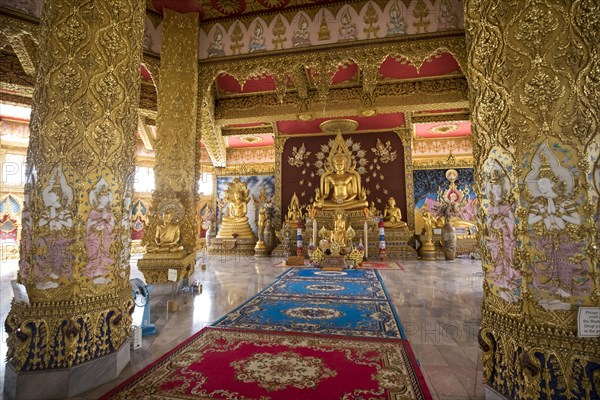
(438, 304)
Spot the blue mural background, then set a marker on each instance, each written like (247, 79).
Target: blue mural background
(255, 183)
(427, 182)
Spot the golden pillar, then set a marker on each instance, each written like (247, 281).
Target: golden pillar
(534, 73)
(171, 234)
(75, 241)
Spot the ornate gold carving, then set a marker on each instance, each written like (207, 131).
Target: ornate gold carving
(81, 143)
(13, 77)
(21, 36)
(176, 145)
(246, 169)
(259, 130)
(422, 119)
(388, 98)
(532, 112)
(416, 49)
(405, 135)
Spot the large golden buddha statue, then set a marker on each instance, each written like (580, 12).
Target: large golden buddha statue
(235, 223)
(340, 185)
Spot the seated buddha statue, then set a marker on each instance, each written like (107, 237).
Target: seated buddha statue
(294, 211)
(167, 237)
(340, 185)
(235, 223)
(392, 215)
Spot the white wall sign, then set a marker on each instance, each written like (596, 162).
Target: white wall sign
(172, 275)
(588, 322)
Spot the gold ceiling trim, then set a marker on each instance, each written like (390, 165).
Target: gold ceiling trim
(425, 119)
(387, 98)
(257, 130)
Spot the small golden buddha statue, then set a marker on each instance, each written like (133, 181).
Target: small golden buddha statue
(392, 215)
(294, 211)
(373, 211)
(168, 235)
(236, 224)
(340, 185)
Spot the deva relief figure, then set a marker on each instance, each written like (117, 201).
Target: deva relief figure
(99, 234)
(501, 238)
(447, 17)
(216, 47)
(257, 42)
(302, 35)
(397, 24)
(54, 259)
(552, 216)
(348, 29)
(168, 233)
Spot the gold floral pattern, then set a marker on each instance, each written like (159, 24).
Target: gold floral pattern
(282, 370)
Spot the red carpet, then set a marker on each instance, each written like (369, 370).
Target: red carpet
(382, 265)
(235, 364)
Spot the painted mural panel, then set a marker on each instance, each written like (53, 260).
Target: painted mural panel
(256, 184)
(337, 23)
(426, 185)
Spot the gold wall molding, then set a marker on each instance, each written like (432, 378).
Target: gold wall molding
(80, 163)
(446, 163)
(210, 131)
(257, 130)
(415, 49)
(246, 170)
(405, 136)
(424, 119)
(340, 102)
(535, 114)
(176, 146)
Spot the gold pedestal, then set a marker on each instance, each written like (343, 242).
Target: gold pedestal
(156, 266)
(241, 229)
(396, 244)
(261, 249)
(232, 246)
(427, 251)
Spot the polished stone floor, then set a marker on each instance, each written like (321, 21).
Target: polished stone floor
(438, 304)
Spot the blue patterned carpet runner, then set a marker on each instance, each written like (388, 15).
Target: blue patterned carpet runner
(349, 302)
